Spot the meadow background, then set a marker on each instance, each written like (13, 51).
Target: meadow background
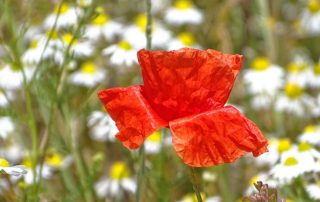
(56, 55)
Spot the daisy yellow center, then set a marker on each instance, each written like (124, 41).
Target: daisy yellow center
(260, 63)
(27, 162)
(141, 21)
(288, 200)
(254, 179)
(22, 184)
(63, 8)
(54, 160)
(33, 44)
(284, 145)
(316, 69)
(101, 19)
(119, 171)
(314, 6)
(155, 137)
(297, 67)
(88, 68)
(187, 39)
(293, 90)
(183, 4)
(68, 38)
(310, 129)
(4, 163)
(304, 146)
(291, 161)
(125, 45)
(52, 35)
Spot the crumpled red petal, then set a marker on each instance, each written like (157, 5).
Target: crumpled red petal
(187, 81)
(133, 115)
(217, 136)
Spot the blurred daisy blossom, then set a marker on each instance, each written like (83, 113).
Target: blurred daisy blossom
(122, 53)
(310, 18)
(263, 81)
(11, 76)
(119, 179)
(102, 26)
(89, 75)
(11, 170)
(311, 134)
(63, 16)
(183, 12)
(80, 49)
(184, 39)
(101, 126)
(314, 191)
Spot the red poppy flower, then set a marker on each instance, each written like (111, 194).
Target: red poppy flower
(186, 90)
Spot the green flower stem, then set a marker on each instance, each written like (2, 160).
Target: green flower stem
(266, 29)
(141, 151)
(195, 184)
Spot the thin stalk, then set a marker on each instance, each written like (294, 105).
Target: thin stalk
(195, 184)
(266, 29)
(140, 175)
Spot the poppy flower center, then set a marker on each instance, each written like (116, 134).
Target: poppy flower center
(260, 63)
(293, 90)
(54, 160)
(68, 39)
(304, 146)
(284, 145)
(187, 39)
(291, 161)
(155, 137)
(102, 18)
(310, 129)
(125, 45)
(314, 6)
(297, 67)
(316, 69)
(4, 163)
(183, 4)
(88, 68)
(61, 9)
(119, 171)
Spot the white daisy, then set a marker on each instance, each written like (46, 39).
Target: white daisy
(299, 71)
(314, 191)
(89, 75)
(122, 53)
(136, 34)
(264, 81)
(310, 18)
(183, 12)
(11, 170)
(152, 144)
(11, 77)
(6, 127)
(119, 179)
(79, 49)
(67, 17)
(184, 39)
(102, 26)
(209, 176)
(294, 100)
(295, 162)
(264, 77)
(28, 178)
(101, 126)
(311, 134)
